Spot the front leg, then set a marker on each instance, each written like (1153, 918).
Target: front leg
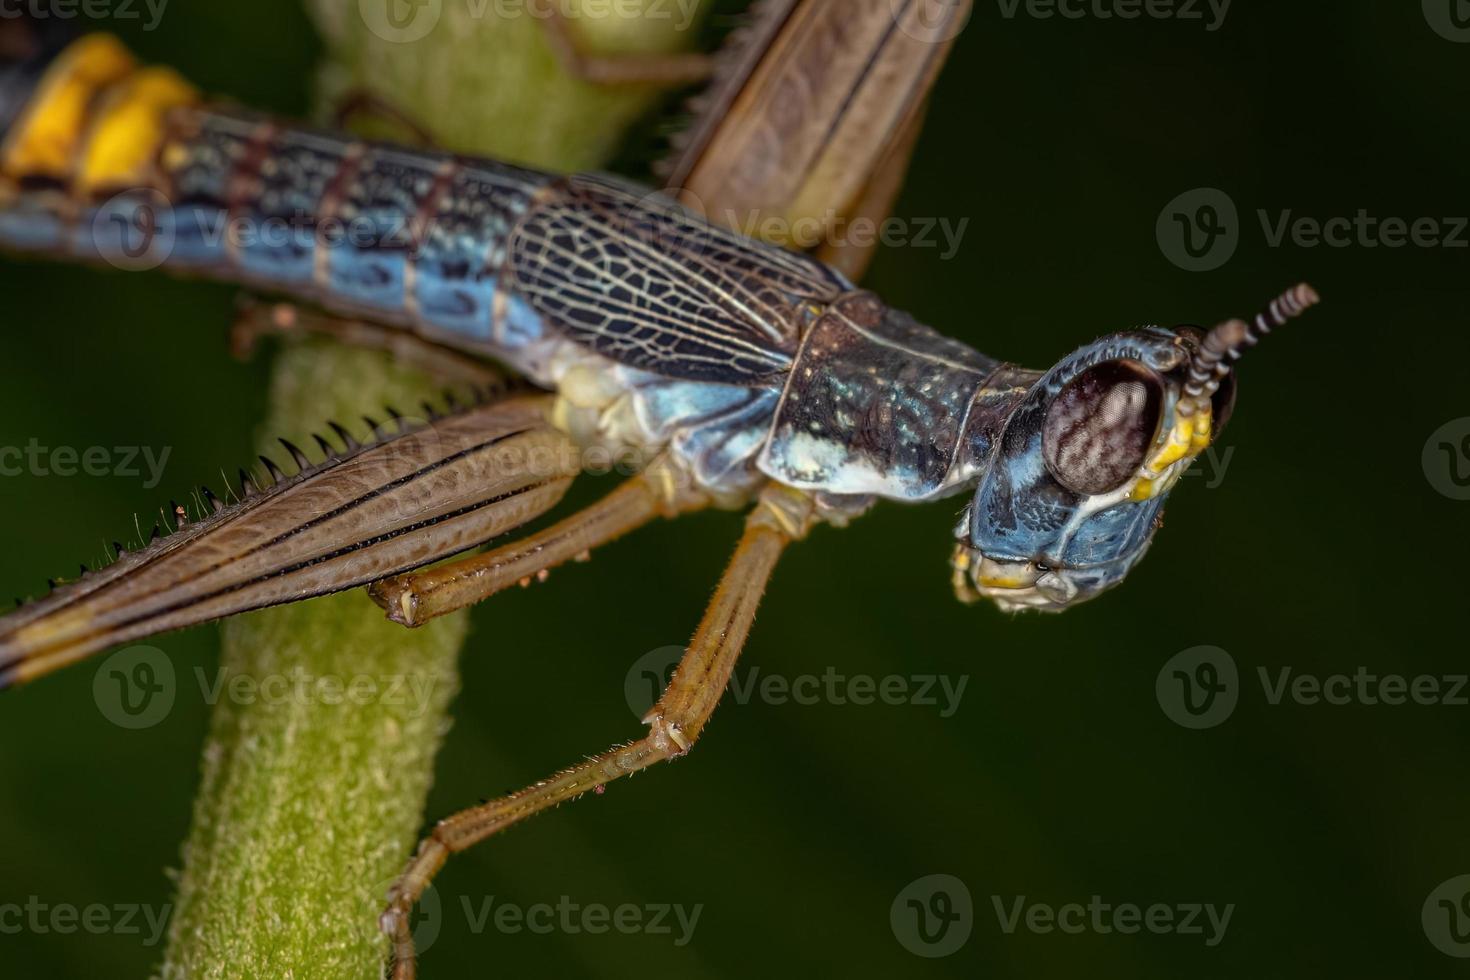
(780, 517)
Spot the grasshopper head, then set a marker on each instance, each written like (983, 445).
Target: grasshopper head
(1077, 484)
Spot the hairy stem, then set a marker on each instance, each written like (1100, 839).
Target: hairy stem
(320, 752)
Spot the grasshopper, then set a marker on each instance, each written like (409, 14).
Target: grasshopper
(742, 375)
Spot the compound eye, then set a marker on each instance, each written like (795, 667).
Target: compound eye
(1100, 426)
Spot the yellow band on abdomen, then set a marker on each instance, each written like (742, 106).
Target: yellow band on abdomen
(48, 136)
(127, 129)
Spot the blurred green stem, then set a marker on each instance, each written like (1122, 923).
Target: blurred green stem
(308, 808)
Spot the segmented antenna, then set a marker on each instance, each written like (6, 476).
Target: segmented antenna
(1225, 344)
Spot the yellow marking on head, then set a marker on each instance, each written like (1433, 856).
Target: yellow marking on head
(960, 578)
(1189, 437)
(45, 140)
(1005, 582)
(129, 128)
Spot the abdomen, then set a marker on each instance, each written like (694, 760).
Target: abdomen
(105, 161)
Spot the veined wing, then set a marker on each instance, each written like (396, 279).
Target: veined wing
(640, 280)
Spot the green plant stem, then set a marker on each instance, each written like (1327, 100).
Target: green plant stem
(308, 808)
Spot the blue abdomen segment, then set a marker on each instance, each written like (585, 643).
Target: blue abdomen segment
(292, 180)
(370, 233)
(197, 172)
(403, 236)
(396, 235)
(461, 250)
(30, 226)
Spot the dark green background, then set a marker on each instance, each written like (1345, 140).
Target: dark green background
(1059, 777)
